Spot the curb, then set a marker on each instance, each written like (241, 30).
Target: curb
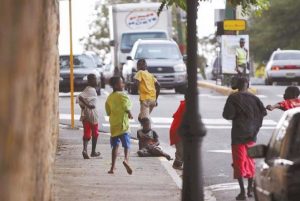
(222, 89)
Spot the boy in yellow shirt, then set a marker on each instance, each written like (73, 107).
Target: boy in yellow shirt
(149, 89)
(118, 107)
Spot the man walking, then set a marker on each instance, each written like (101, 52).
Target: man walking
(246, 112)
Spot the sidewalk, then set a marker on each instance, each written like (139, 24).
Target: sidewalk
(88, 180)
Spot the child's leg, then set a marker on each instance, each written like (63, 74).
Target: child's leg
(86, 138)
(157, 151)
(94, 140)
(125, 139)
(114, 154)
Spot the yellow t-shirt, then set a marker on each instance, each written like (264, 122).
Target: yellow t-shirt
(147, 85)
(116, 106)
(241, 54)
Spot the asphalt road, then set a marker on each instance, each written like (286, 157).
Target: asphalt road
(216, 146)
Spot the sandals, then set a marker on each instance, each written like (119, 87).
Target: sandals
(95, 154)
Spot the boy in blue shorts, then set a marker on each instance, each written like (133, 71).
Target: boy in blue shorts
(118, 107)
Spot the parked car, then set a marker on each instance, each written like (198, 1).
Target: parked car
(99, 64)
(108, 72)
(164, 61)
(278, 177)
(283, 66)
(83, 65)
(214, 70)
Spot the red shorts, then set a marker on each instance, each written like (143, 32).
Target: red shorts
(89, 130)
(243, 165)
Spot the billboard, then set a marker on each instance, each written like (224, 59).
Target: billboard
(228, 49)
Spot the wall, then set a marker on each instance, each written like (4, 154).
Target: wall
(28, 98)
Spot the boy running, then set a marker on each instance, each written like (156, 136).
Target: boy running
(118, 107)
(291, 100)
(89, 117)
(149, 89)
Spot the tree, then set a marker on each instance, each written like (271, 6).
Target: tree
(277, 28)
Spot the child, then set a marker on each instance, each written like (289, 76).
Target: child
(148, 141)
(175, 138)
(149, 89)
(118, 107)
(291, 99)
(89, 117)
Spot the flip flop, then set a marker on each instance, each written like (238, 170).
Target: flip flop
(128, 168)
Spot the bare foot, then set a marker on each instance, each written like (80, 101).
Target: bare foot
(110, 171)
(128, 168)
(85, 155)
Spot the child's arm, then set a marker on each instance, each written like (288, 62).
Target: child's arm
(155, 136)
(272, 107)
(157, 88)
(86, 103)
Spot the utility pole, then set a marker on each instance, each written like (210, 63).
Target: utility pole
(192, 129)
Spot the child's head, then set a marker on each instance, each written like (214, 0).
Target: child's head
(242, 84)
(141, 64)
(92, 80)
(291, 92)
(145, 122)
(116, 83)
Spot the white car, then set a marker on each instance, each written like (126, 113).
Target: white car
(283, 66)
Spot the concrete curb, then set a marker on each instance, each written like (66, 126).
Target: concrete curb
(222, 89)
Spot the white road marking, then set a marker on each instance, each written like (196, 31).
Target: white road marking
(261, 96)
(68, 116)
(162, 120)
(68, 94)
(216, 121)
(279, 95)
(107, 119)
(223, 187)
(269, 122)
(226, 151)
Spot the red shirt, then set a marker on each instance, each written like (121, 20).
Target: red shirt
(177, 117)
(289, 104)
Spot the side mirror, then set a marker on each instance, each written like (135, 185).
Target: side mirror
(129, 58)
(111, 43)
(257, 151)
(184, 57)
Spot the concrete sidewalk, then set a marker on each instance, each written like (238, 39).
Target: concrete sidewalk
(88, 180)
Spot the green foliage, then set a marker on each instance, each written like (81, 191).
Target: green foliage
(277, 28)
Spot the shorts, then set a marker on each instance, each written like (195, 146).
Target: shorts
(146, 108)
(124, 139)
(89, 129)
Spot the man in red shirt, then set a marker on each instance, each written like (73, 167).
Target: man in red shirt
(291, 100)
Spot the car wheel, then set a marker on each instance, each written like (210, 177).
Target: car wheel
(180, 90)
(268, 82)
(132, 89)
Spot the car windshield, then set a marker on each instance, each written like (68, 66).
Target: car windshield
(80, 61)
(287, 56)
(129, 39)
(158, 51)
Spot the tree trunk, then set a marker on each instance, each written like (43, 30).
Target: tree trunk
(28, 99)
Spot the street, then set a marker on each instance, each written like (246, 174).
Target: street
(216, 147)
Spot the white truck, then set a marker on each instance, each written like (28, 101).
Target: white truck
(133, 21)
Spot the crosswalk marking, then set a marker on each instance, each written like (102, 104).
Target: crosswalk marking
(68, 116)
(106, 118)
(68, 94)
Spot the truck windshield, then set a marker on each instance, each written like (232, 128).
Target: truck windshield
(128, 39)
(158, 51)
(80, 61)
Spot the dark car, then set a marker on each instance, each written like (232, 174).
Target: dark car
(83, 66)
(278, 177)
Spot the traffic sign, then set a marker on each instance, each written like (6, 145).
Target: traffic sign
(234, 25)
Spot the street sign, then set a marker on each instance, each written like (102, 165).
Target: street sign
(234, 25)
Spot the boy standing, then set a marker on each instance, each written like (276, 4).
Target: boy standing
(118, 107)
(291, 99)
(89, 117)
(149, 89)
(148, 141)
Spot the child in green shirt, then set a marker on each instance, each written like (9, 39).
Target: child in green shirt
(118, 107)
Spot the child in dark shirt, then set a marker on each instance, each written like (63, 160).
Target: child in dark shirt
(291, 100)
(148, 141)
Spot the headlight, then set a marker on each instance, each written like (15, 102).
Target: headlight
(85, 78)
(180, 68)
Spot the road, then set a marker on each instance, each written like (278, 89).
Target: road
(216, 145)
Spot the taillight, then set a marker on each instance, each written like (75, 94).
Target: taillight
(275, 68)
(288, 67)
